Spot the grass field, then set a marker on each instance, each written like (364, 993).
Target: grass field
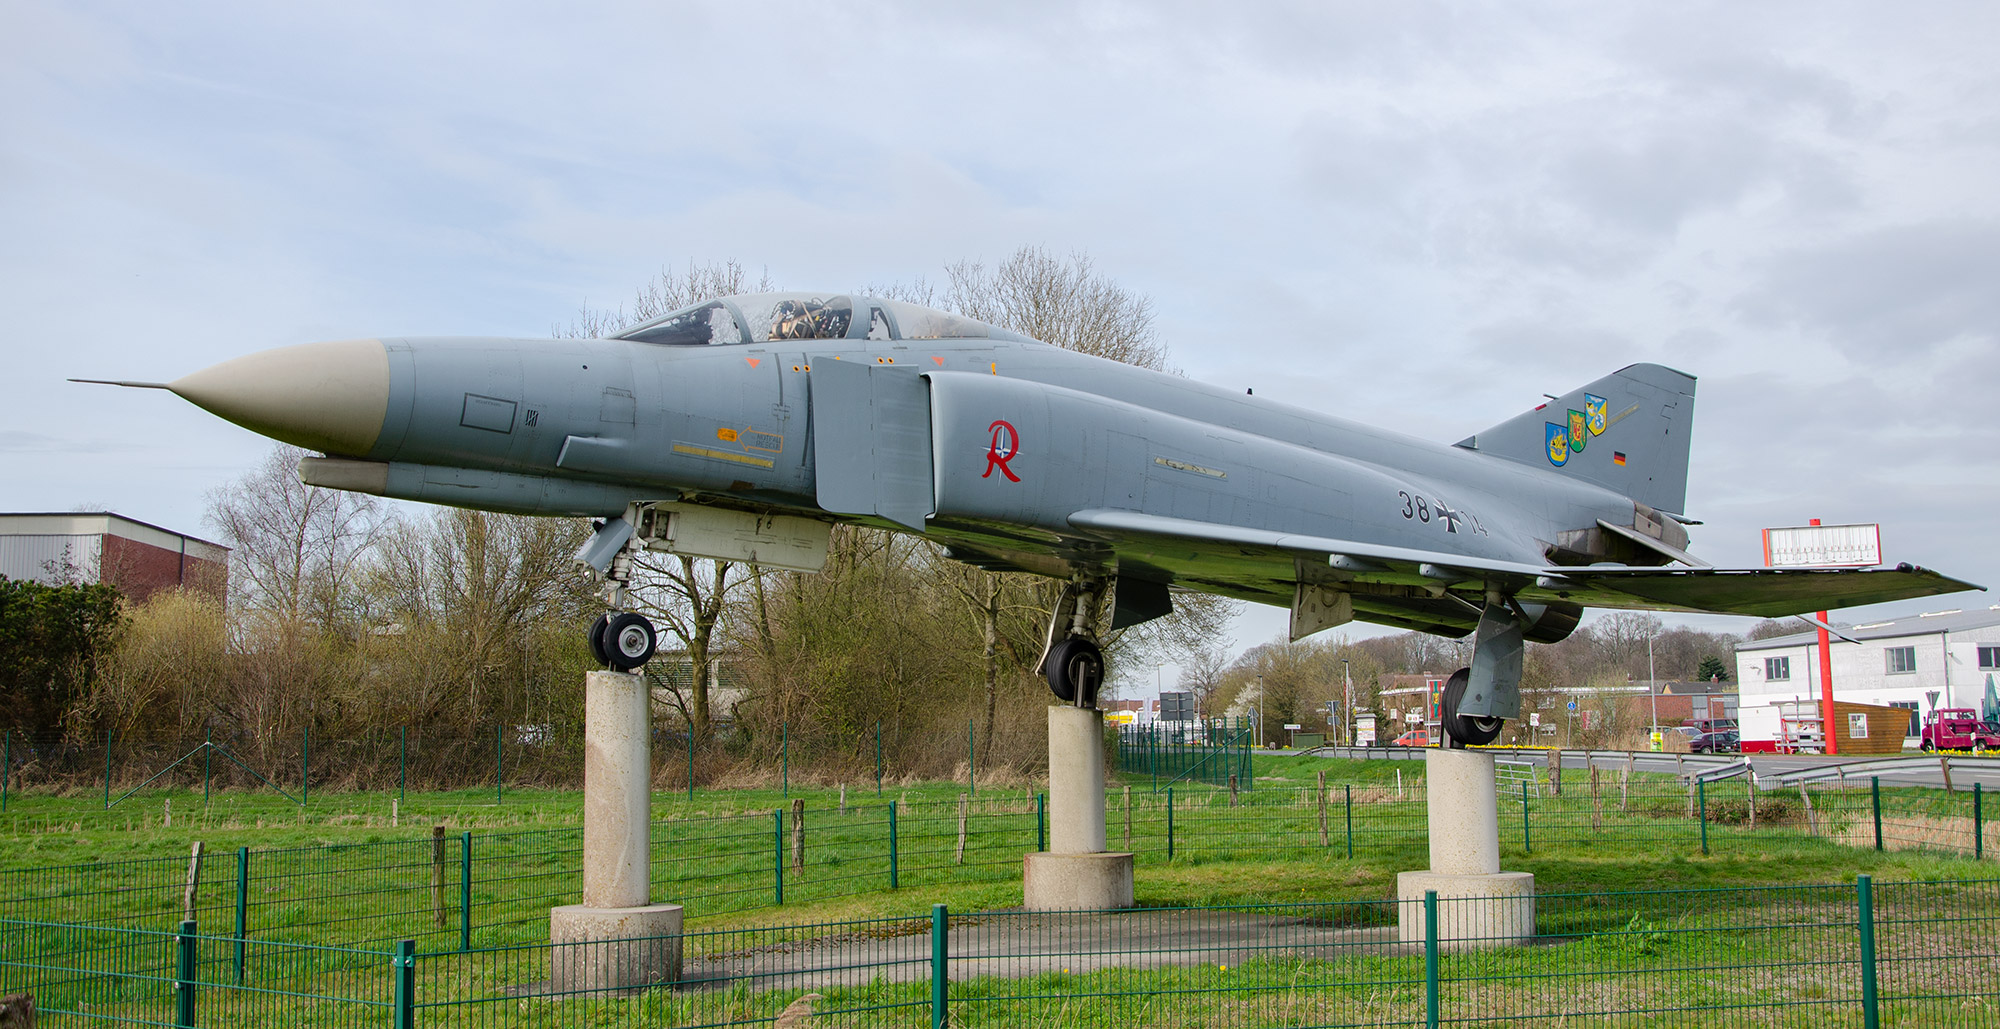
(340, 874)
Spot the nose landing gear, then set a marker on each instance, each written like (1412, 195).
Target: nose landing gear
(1072, 661)
(621, 640)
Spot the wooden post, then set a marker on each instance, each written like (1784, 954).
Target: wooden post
(1753, 801)
(843, 798)
(798, 834)
(1128, 817)
(193, 882)
(1944, 765)
(394, 812)
(1596, 803)
(1812, 820)
(1556, 773)
(1232, 790)
(963, 801)
(437, 873)
(1321, 791)
(167, 814)
(1624, 777)
(1691, 791)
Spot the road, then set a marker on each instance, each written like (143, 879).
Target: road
(1910, 769)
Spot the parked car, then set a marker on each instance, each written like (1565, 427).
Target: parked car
(1414, 738)
(1721, 742)
(1959, 728)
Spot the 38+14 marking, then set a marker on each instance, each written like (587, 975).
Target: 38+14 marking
(1426, 510)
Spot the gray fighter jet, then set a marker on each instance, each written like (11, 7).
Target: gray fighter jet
(743, 428)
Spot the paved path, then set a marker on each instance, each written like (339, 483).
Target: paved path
(1018, 944)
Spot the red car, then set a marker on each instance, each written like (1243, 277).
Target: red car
(1959, 728)
(1414, 738)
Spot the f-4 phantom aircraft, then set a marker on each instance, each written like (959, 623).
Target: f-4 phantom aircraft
(743, 428)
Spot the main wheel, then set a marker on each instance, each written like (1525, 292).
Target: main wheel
(1466, 731)
(596, 637)
(1076, 668)
(1926, 747)
(1979, 746)
(628, 641)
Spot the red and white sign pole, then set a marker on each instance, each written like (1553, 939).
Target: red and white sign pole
(1828, 546)
(1826, 684)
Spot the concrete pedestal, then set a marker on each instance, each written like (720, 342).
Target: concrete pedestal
(1478, 904)
(1055, 882)
(1076, 871)
(613, 940)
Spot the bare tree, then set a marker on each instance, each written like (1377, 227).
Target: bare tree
(1063, 301)
(295, 549)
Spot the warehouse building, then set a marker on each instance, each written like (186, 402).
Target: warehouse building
(1938, 659)
(138, 558)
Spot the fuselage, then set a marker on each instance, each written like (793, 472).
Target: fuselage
(601, 422)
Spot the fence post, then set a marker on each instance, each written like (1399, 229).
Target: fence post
(892, 844)
(940, 966)
(1320, 793)
(242, 905)
(1865, 894)
(799, 835)
(207, 764)
(1701, 798)
(403, 984)
(402, 760)
(1978, 824)
(465, 891)
(1041, 822)
(1348, 789)
(185, 971)
(1875, 801)
(1527, 839)
(1170, 823)
(778, 856)
(1431, 958)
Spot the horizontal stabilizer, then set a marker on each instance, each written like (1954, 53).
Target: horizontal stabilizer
(1763, 592)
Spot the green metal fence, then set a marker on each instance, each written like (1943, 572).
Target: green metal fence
(459, 890)
(1902, 954)
(1215, 752)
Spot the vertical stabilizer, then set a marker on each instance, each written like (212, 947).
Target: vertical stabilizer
(1627, 432)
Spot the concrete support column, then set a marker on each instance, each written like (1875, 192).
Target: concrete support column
(617, 802)
(1478, 904)
(1076, 872)
(1076, 780)
(615, 940)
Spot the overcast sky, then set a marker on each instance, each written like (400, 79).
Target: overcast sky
(1418, 215)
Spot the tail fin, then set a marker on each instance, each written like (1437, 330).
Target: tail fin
(1627, 432)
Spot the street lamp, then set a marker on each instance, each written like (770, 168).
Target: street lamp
(1260, 710)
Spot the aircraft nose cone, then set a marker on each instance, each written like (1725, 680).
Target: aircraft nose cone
(329, 397)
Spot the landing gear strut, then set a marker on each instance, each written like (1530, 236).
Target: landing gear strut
(621, 640)
(1072, 660)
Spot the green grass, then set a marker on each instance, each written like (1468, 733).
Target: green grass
(339, 874)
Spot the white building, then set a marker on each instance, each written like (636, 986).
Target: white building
(1896, 663)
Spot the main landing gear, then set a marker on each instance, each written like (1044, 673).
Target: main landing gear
(1072, 660)
(1477, 700)
(620, 640)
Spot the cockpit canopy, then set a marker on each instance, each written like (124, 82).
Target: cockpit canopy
(769, 317)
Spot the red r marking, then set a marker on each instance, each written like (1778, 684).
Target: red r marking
(1005, 446)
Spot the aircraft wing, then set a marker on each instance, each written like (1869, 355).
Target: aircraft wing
(1263, 565)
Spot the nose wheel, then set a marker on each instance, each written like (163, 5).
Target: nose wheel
(623, 641)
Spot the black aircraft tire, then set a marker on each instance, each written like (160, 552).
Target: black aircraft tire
(628, 641)
(1466, 732)
(597, 640)
(1076, 664)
